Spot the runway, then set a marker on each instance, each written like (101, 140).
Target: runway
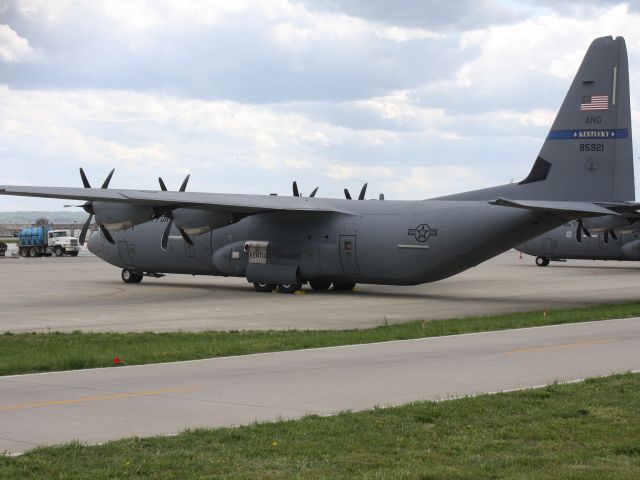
(84, 293)
(106, 404)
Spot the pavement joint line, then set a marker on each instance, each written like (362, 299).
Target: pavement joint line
(114, 396)
(561, 346)
(433, 338)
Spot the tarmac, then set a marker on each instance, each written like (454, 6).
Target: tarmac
(84, 293)
(95, 406)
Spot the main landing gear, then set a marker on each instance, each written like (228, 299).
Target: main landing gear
(318, 285)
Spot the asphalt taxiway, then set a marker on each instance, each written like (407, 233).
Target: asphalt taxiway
(110, 403)
(84, 293)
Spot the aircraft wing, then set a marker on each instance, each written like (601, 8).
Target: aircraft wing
(229, 202)
(567, 209)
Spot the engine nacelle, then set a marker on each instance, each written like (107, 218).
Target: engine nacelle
(117, 216)
(617, 223)
(195, 222)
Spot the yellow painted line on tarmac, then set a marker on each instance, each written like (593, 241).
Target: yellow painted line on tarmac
(113, 396)
(562, 346)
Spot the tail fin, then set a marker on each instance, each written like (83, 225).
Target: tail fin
(587, 155)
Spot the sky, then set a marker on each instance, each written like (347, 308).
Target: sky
(419, 98)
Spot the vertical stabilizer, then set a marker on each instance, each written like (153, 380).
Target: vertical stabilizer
(587, 154)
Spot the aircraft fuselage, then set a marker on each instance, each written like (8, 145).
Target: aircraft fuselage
(383, 242)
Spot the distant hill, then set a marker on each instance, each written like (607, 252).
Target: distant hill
(54, 217)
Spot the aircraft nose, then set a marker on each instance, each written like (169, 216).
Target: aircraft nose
(92, 243)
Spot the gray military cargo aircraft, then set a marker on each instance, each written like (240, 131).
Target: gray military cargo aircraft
(611, 238)
(584, 170)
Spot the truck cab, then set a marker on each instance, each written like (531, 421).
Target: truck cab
(61, 242)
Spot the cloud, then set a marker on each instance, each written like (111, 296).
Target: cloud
(14, 48)
(427, 14)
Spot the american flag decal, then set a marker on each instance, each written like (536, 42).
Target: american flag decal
(594, 102)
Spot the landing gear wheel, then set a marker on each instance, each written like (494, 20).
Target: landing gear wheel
(58, 251)
(289, 287)
(320, 284)
(542, 261)
(32, 252)
(131, 277)
(73, 254)
(264, 287)
(343, 286)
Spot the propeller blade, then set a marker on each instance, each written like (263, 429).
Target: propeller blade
(586, 231)
(105, 184)
(183, 187)
(313, 194)
(185, 236)
(606, 237)
(579, 231)
(296, 192)
(347, 195)
(85, 228)
(362, 192)
(165, 235)
(163, 187)
(613, 234)
(106, 234)
(85, 181)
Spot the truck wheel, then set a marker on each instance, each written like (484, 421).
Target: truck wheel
(73, 254)
(23, 252)
(129, 276)
(264, 287)
(289, 287)
(542, 261)
(343, 286)
(58, 251)
(320, 284)
(32, 252)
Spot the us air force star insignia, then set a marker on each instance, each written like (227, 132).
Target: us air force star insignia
(422, 232)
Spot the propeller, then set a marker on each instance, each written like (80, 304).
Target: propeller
(296, 192)
(165, 235)
(347, 195)
(88, 207)
(580, 229)
(610, 232)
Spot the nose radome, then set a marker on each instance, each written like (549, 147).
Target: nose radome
(92, 243)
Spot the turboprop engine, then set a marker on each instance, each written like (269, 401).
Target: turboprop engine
(116, 216)
(195, 222)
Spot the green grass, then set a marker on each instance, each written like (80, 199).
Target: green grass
(41, 352)
(579, 431)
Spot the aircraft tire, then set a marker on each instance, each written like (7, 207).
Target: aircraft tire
(343, 286)
(542, 261)
(320, 284)
(129, 276)
(58, 251)
(264, 287)
(289, 287)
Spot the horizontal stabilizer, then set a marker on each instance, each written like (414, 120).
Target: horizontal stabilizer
(564, 209)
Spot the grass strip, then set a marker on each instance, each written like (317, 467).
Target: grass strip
(42, 352)
(586, 431)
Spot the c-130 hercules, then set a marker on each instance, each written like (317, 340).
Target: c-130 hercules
(584, 169)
